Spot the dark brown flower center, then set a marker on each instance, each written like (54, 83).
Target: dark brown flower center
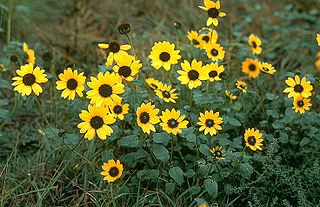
(117, 109)
(172, 123)
(29, 79)
(166, 94)
(193, 75)
(209, 123)
(96, 122)
(72, 84)
(213, 12)
(144, 117)
(218, 153)
(125, 71)
(300, 103)
(252, 140)
(164, 56)
(214, 52)
(195, 42)
(252, 67)
(114, 47)
(114, 172)
(206, 38)
(213, 74)
(298, 88)
(254, 44)
(105, 90)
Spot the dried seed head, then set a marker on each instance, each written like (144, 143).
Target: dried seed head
(124, 28)
(47, 56)
(14, 58)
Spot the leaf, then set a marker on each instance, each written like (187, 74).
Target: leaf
(169, 188)
(177, 174)
(71, 139)
(271, 96)
(304, 141)
(160, 152)
(191, 138)
(5, 114)
(283, 138)
(129, 141)
(161, 138)
(204, 149)
(211, 187)
(234, 122)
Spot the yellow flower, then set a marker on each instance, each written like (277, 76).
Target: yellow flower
(115, 51)
(29, 80)
(71, 83)
(96, 121)
(255, 44)
(266, 68)
(253, 139)
(301, 104)
(192, 74)
(218, 152)
(317, 64)
(153, 83)
(242, 86)
(112, 170)
(147, 117)
(105, 89)
(164, 55)
(212, 9)
(119, 109)
(203, 205)
(210, 122)
(166, 93)
(298, 87)
(251, 67)
(212, 71)
(318, 39)
(230, 95)
(194, 38)
(31, 56)
(207, 36)
(215, 51)
(172, 121)
(127, 67)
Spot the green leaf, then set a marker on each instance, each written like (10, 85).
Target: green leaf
(234, 122)
(177, 174)
(160, 152)
(71, 139)
(211, 187)
(129, 141)
(304, 141)
(271, 96)
(283, 138)
(204, 149)
(161, 138)
(5, 114)
(191, 138)
(169, 188)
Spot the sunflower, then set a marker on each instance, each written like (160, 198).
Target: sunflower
(251, 67)
(212, 9)
(317, 64)
(30, 53)
(253, 139)
(298, 87)
(29, 79)
(230, 95)
(301, 104)
(153, 83)
(192, 74)
(164, 55)
(266, 68)
(172, 121)
(215, 51)
(71, 83)
(318, 39)
(105, 89)
(112, 170)
(212, 71)
(193, 36)
(242, 86)
(96, 121)
(119, 109)
(218, 152)
(127, 67)
(115, 50)
(210, 122)
(207, 36)
(166, 93)
(255, 44)
(147, 117)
